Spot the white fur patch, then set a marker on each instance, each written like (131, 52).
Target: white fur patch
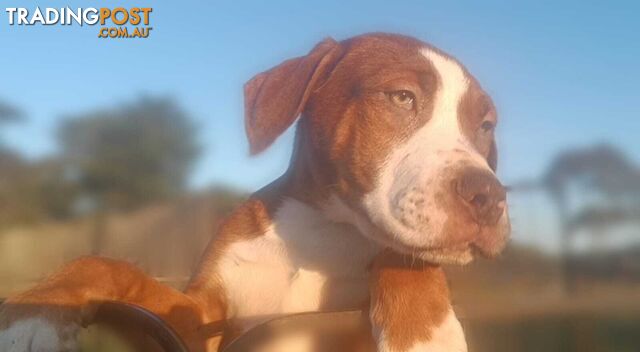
(403, 202)
(33, 335)
(286, 269)
(448, 337)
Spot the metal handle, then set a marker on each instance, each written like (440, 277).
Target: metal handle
(125, 314)
(348, 320)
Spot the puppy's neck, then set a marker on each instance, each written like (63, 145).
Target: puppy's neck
(309, 178)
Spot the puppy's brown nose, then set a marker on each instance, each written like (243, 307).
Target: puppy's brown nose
(483, 193)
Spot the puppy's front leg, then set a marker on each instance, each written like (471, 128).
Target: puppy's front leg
(410, 307)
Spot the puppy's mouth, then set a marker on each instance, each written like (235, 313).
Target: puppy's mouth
(459, 245)
(486, 243)
(458, 255)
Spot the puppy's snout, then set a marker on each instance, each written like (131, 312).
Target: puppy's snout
(483, 193)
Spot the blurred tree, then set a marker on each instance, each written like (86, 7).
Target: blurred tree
(125, 157)
(603, 172)
(594, 188)
(13, 172)
(131, 155)
(9, 113)
(602, 169)
(56, 190)
(33, 191)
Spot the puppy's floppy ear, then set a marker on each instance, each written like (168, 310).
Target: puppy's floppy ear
(274, 99)
(492, 159)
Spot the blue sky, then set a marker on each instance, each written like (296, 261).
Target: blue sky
(561, 74)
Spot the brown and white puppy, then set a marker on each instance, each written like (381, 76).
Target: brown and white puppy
(393, 167)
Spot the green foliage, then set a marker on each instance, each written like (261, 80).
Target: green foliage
(12, 182)
(32, 191)
(601, 169)
(9, 113)
(130, 155)
(118, 158)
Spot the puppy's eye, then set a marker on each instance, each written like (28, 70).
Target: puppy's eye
(487, 126)
(403, 98)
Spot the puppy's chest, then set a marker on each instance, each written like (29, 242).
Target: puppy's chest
(300, 264)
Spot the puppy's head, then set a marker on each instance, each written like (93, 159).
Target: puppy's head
(396, 136)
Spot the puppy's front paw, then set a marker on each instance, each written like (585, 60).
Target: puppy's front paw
(445, 337)
(47, 331)
(38, 335)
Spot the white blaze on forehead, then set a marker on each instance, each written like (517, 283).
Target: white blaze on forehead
(452, 85)
(445, 131)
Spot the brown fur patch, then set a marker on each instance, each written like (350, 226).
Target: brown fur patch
(474, 109)
(408, 299)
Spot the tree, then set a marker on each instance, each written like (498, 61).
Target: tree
(9, 113)
(605, 185)
(15, 197)
(130, 155)
(602, 169)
